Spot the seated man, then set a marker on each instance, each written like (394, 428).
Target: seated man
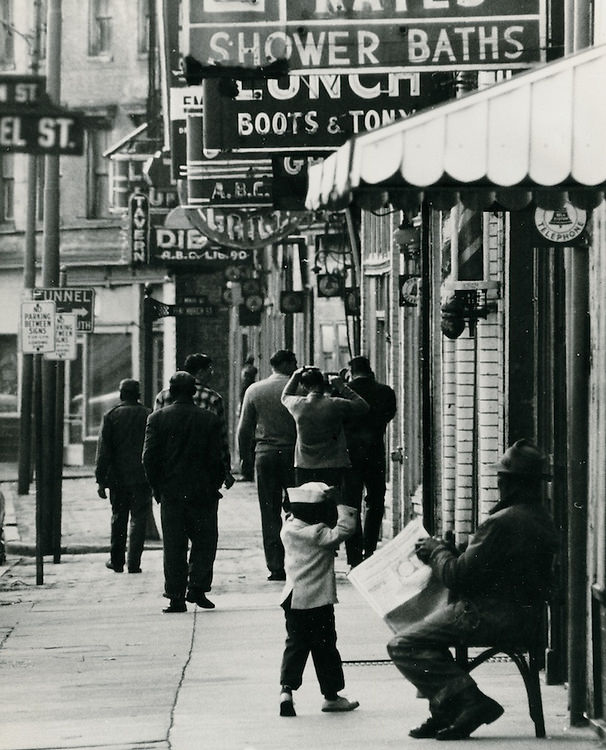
(497, 588)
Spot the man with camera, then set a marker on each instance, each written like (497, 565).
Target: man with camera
(321, 450)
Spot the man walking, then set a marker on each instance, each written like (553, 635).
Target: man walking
(266, 421)
(182, 461)
(201, 367)
(366, 445)
(119, 469)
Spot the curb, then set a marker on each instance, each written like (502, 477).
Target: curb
(26, 549)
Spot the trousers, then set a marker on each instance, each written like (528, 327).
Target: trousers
(422, 651)
(312, 631)
(132, 502)
(275, 473)
(367, 472)
(187, 519)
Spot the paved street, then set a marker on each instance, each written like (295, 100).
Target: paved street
(89, 660)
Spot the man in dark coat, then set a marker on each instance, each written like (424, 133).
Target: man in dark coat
(119, 469)
(366, 446)
(183, 464)
(497, 589)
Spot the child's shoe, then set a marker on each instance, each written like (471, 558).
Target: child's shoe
(287, 707)
(339, 704)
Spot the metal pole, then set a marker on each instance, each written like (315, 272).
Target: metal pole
(29, 281)
(578, 354)
(50, 263)
(39, 467)
(426, 374)
(58, 463)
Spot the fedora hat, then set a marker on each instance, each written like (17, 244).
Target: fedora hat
(523, 459)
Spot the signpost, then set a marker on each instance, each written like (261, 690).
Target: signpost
(80, 301)
(37, 327)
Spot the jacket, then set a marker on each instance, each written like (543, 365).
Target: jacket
(120, 445)
(182, 452)
(367, 432)
(309, 558)
(509, 558)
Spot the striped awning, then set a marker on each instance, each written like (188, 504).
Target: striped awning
(543, 130)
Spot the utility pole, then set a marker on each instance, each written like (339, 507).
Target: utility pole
(29, 282)
(50, 278)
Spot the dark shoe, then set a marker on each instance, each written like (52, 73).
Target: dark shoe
(475, 711)
(176, 605)
(134, 570)
(199, 598)
(287, 707)
(428, 729)
(279, 575)
(117, 569)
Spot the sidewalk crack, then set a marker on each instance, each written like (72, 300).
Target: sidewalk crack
(181, 680)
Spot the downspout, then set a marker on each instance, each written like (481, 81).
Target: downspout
(577, 28)
(426, 374)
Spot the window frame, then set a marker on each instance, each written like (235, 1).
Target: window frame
(100, 28)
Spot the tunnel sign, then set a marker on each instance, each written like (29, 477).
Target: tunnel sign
(37, 326)
(71, 299)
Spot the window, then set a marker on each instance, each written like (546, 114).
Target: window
(7, 48)
(97, 174)
(109, 361)
(8, 374)
(143, 27)
(99, 28)
(7, 187)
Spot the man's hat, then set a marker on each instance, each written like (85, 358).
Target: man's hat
(523, 459)
(311, 492)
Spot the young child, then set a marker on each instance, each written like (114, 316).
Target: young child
(310, 538)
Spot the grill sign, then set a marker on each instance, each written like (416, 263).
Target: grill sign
(363, 35)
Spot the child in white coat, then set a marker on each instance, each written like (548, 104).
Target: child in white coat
(310, 537)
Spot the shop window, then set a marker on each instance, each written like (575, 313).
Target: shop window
(97, 174)
(143, 27)
(8, 374)
(7, 188)
(109, 361)
(99, 28)
(7, 35)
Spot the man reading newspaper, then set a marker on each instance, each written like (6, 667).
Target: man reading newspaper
(497, 588)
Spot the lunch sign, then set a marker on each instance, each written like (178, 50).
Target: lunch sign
(366, 35)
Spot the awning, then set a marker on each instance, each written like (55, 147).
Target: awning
(541, 130)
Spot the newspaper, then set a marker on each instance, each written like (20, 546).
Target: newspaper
(393, 574)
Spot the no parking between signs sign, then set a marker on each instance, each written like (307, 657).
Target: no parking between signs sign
(37, 327)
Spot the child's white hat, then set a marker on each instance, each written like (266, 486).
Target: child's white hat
(311, 492)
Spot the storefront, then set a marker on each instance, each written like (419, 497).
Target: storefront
(527, 155)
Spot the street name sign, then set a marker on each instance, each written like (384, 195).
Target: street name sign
(65, 337)
(22, 89)
(41, 132)
(80, 301)
(37, 326)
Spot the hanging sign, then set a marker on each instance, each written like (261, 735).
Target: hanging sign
(561, 226)
(305, 112)
(138, 227)
(168, 245)
(37, 327)
(359, 36)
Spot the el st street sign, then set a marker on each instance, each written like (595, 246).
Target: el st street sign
(30, 124)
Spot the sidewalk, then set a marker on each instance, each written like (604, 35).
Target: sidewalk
(89, 660)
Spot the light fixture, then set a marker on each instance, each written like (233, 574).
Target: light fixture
(407, 238)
